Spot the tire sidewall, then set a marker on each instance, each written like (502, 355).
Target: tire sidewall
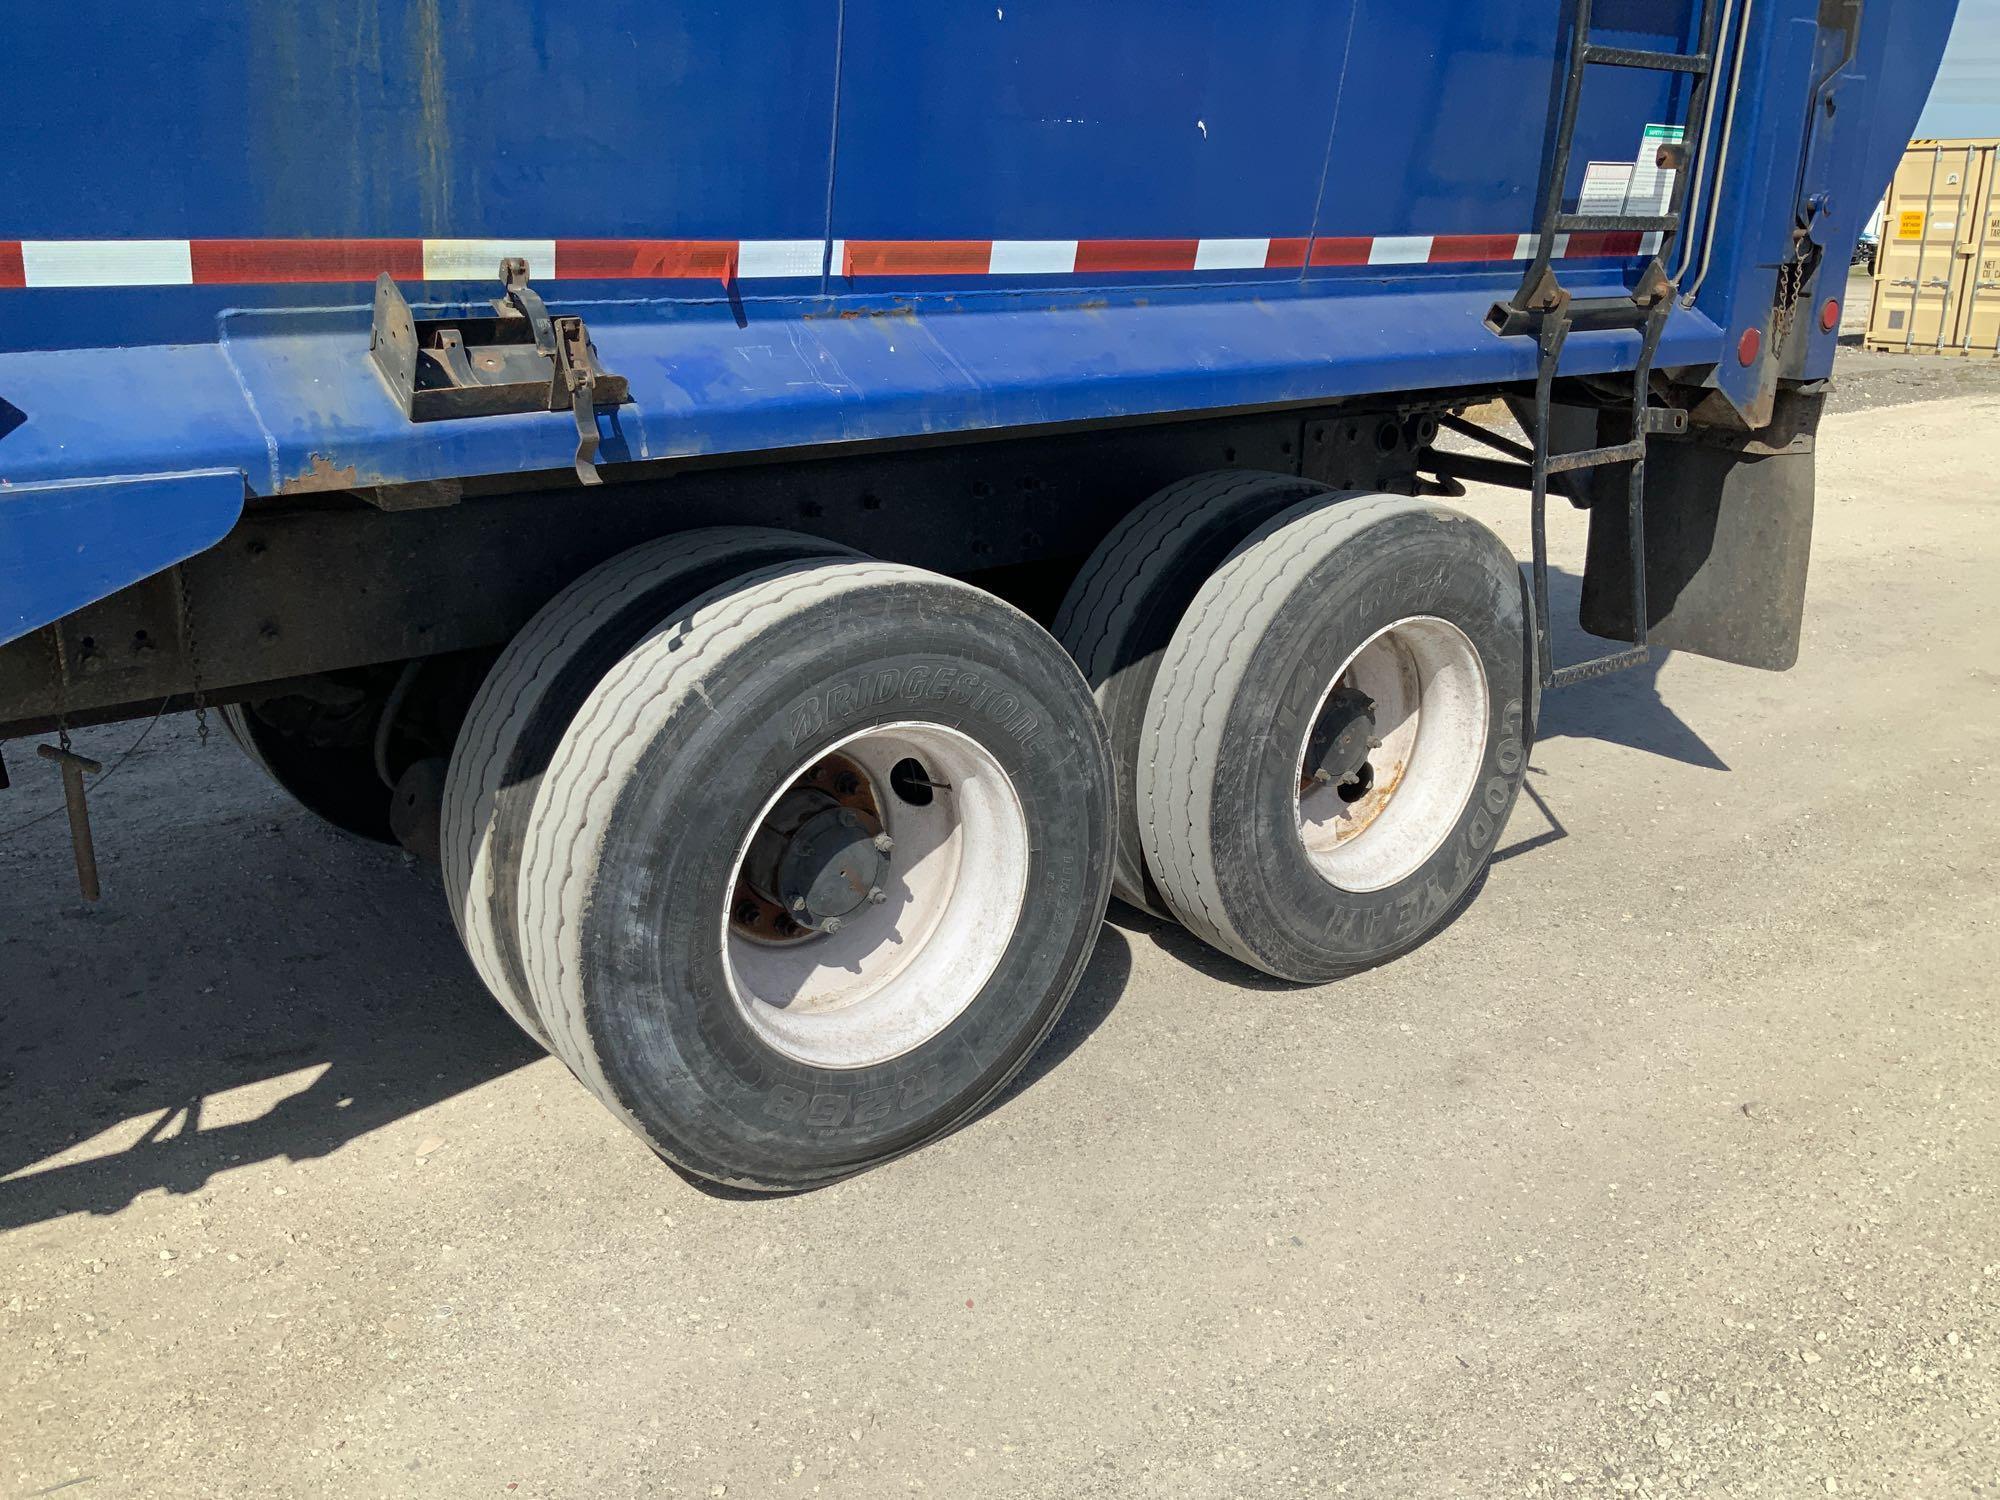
(676, 1052)
(1144, 636)
(580, 666)
(1276, 901)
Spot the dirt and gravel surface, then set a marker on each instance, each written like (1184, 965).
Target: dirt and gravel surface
(1668, 1169)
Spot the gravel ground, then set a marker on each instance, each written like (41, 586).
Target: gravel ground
(1668, 1169)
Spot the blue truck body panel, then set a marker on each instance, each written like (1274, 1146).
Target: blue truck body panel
(66, 544)
(906, 219)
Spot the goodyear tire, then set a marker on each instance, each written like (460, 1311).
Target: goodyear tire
(527, 701)
(816, 868)
(1337, 734)
(1120, 613)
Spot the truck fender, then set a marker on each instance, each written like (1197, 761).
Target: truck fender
(66, 543)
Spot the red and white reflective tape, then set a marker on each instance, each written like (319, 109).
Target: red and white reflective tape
(249, 262)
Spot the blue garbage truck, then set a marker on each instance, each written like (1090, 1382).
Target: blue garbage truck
(795, 507)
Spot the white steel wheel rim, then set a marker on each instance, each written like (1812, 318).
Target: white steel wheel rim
(897, 973)
(1429, 691)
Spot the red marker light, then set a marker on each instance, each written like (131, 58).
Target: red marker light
(1749, 347)
(1829, 316)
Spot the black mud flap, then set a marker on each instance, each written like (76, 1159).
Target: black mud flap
(1728, 536)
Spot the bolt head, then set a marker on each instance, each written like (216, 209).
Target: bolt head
(798, 903)
(876, 895)
(883, 843)
(831, 924)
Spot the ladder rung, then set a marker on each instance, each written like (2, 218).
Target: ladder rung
(1602, 666)
(1597, 458)
(1584, 315)
(1595, 314)
(1639, 57)
(1616, 223)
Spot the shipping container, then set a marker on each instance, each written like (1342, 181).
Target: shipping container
(793, 507)
(1937, 275)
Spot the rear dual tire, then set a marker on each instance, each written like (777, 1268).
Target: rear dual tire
(1216, 624)
(779, 1058)
(1395, 619)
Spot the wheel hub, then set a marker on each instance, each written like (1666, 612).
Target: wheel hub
(1393, 753)
(845, 947)
(829, 867)
(1341, 739)
(819, 856)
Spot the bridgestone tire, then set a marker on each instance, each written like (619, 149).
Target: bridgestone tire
(661, 779)
(526, 703)
(336, 785)
(1236, 696)
(1120, 614)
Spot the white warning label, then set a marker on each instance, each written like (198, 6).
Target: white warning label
(1606, 185)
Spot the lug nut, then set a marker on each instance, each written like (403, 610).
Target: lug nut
(883, 843)
(831, 924)
(876, 895)
(798, 903)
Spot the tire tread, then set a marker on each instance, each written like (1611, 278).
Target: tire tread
(1198, 678)
(1115, 588)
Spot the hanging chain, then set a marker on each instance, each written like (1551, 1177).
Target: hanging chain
(191, 654)
(59, 677)
(1791, 287)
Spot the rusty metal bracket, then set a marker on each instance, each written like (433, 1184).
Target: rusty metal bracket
(522, 358)
(578, 372)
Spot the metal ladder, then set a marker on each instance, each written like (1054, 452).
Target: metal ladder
(1541, 308)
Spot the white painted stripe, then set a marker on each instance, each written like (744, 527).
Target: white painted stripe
(1400, 250)
(1650, 244)
(1033, 258)
(479, 260)
(106, 263)
(1529, 244)
(1231, 255)
(782, 257)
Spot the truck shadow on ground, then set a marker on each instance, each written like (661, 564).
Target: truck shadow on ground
(1623, 709)
(318, 975)
(144, 1023)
